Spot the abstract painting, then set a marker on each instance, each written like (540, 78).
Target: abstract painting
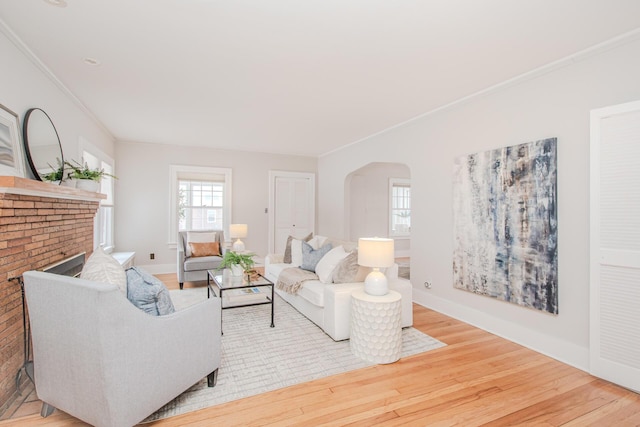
(11, 160)
(505, 224)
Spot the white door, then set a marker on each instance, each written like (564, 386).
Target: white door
(615, 245)
(291, 207)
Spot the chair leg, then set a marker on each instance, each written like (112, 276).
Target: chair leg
(181, 285)
(46, 410)
(212, 378)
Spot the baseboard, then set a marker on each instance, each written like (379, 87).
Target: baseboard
(555, 348)
(159, 268)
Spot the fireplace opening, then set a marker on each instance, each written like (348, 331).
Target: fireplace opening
(71, 266)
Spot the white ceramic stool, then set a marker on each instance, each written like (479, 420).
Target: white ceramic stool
(376, 334)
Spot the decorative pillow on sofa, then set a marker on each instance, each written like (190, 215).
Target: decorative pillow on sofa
(328, 263)
(204, 249)
(287, 249)
(311, 257)
(199, 237)
(317, 242)
(102, 267)
(148, 293)
(349, 271)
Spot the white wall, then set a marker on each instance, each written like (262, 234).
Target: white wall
(555, 103)
(143, 192)
(23, 85)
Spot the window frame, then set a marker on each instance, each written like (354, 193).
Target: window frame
(88, 149)
(174, 175)
(398, 182)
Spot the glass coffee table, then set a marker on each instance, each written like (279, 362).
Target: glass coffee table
(240, 291)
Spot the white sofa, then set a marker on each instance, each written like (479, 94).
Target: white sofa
(328, 305)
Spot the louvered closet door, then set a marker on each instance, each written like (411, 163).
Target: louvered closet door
(615, 245)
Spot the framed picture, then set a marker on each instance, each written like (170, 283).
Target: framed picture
(11, 157)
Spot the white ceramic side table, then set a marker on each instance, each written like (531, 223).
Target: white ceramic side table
(376, 334)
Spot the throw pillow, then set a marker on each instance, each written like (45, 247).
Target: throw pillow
(148, 293)
(316, 241)
(287, 249)
(296, 253)
(349, 271)
(102, 267)
(328, 263)
(311, 257)
(205, 249)
(199, 237)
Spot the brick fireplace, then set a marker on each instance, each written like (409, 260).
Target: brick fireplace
(40, 224)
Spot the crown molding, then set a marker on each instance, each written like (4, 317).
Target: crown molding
(28, 53)
(594, 50)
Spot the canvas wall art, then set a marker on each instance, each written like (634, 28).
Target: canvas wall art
(11, 158)
(505, 224)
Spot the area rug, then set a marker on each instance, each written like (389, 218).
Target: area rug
(257, 358)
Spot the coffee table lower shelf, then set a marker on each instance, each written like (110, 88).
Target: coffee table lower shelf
(240, 291)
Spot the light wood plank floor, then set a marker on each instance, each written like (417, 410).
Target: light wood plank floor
(477, 379)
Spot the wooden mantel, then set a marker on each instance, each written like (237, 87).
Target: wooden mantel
(31, 187)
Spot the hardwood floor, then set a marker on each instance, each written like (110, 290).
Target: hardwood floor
(477, 379)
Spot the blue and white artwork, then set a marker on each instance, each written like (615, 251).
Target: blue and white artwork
(505, 224)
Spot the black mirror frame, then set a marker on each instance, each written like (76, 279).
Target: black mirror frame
(25, 137)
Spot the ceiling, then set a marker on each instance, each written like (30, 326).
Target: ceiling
(295, 76)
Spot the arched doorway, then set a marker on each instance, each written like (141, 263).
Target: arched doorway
(369, 207)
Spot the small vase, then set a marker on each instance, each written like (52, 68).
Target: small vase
(88, 185)
(236, 270)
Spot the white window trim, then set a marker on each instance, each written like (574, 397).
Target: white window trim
(392, 182)
(174, 170)
(83, 146)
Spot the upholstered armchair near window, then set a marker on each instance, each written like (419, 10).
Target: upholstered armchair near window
(101, 359)
(198, 251)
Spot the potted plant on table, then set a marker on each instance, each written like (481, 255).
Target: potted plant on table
(237, 262)
(85, 177)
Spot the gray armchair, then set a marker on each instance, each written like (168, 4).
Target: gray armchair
(101, 359)
(195, 268)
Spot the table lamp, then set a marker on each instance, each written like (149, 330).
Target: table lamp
(238, 231)
(378, 253)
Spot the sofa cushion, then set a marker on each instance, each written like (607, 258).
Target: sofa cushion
(311, 257)
(328, 263)
(199, 237)
(349, 271)
(296, 253)
(317, 242)
(102, 267)
(148, 293)
(313, 291)
(202, 263)
(287, 249)
(204, 249)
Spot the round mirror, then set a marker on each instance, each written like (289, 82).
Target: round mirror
(42, 145)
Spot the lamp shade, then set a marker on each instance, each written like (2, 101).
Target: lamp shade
(238, 231)
(375, 252)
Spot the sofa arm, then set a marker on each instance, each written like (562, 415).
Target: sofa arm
(273, 259)
(337, 309)
(181, 258)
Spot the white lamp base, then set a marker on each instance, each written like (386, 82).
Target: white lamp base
(238, 246)
(376, 283)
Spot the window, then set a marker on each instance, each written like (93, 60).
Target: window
(200, 205)
(399, 207)
(200, 199)
(104, 221)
